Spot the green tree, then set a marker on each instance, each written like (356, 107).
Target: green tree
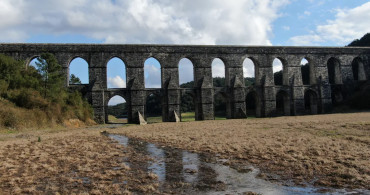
(52, 76)
(74, 80)
(363, 42)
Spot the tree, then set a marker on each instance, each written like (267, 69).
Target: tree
(51, 74)
(74, 80)
(363, 42)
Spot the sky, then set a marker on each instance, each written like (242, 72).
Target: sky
(211, 22)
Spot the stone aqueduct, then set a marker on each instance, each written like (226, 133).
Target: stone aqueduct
(334, 73)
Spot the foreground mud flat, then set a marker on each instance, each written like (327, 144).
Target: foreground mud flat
(329, 151)
(324, 150)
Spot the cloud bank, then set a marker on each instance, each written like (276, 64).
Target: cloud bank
(143, 21)
(349, 24)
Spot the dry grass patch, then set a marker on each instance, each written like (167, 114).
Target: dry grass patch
(326, 150)
(77, 161)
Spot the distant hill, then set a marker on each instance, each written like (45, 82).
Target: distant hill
(363, 42)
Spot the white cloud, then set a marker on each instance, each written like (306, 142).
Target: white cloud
(143, 21)
(186, 71)
(277, 65)
(349, 24)
(218, 68)
(248, 68)
(116, 82)
(152, 76)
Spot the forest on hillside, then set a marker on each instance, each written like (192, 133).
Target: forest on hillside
(36, 96)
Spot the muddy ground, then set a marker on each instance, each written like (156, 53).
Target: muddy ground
(324, 150)
(74, 161)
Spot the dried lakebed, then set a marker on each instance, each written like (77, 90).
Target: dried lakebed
(181, 171)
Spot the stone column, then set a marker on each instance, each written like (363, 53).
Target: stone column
(265, 82)
(236, 87)
(295, 82)
(63, 60)
(323, 86)
(170, 88)
(97, 80)
(136, 88)
(203, 85)
(347, 75)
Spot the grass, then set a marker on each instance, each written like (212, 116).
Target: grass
(113, 119)
(187, 116)
(154, 119)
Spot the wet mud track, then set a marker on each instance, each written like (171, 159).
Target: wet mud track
(182, 172)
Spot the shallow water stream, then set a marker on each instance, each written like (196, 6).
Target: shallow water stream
(181, 171)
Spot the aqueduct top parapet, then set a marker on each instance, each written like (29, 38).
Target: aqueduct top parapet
(329, 66)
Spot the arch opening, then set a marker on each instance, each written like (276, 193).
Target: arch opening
(152, 73)
(220, 108)
(32, 64)
(218, 73)
(78, 72)
(305, 71)
(278, 70)
(336, 96)
(252, 104)
(310, 102)
(282, 104)
(153, 108)
(249, 72)
(334, 73)
(116, 73)
(117, 110)
(358, 69)
(186, 80)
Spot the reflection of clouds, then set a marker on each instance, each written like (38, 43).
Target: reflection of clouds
(116, 82)
(152, 76)
(218, 68)
(277, 65)
(116, 100)
(186, 71)
(248, 68)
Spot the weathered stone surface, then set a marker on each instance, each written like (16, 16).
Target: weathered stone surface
(321, 91)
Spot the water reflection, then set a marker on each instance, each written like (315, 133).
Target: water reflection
(188, 173)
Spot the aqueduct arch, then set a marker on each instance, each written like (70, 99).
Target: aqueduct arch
(325, 63)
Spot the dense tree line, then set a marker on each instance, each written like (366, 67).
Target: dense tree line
(363, 42)
(41, 88)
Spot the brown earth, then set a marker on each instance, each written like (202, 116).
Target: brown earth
(325, 150)
(69, 162)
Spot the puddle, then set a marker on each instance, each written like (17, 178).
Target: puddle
(180, 171)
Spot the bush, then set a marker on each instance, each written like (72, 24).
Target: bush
(38, 96)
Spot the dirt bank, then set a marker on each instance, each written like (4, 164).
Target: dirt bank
(327, 150)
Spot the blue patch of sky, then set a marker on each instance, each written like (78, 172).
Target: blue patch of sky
(151, 69)
(116, 68)
(80, 68)
(300, 17)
